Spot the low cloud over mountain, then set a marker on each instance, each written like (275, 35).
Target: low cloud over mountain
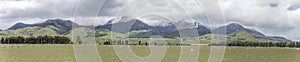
(279, 17)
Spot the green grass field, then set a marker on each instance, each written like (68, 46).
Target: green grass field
(64, 53)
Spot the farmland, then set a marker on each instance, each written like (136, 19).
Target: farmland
(64, 53)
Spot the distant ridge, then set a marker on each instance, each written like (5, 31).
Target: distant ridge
(278, 38)
(19, 25)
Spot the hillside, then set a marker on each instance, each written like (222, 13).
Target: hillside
(236, 36)
(30, 31)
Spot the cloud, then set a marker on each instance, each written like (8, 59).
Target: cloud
(294, 7)
(272, 17)
(26, 10)
(178, 9)
(111, 7)
(12, 11)
(38, 8)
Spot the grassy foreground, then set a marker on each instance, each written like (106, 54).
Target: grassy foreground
(64, 53)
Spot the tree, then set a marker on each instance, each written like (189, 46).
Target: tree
(2, 40)
(146, 43)
(140, 43)
(36, 40)
(292, 44)
(78, 39)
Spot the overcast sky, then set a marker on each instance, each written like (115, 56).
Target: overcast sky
(271, 17)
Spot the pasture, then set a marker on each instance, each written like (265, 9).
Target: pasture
(64, 53)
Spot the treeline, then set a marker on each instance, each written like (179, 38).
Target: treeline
(264, 44)
(119, 42)
(36, 40)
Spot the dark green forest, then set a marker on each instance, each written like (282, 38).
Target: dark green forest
(36, 40)
(258, 44)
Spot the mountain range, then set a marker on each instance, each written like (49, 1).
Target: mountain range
(62, 25)
(235, 27)
(138, 29)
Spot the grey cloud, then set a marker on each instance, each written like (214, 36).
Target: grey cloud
(274, 4)
(32, 11)
(293, 7)
(44, 9)
(270, 17)
(111, 7)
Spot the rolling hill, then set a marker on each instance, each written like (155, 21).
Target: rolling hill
(29, 31)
